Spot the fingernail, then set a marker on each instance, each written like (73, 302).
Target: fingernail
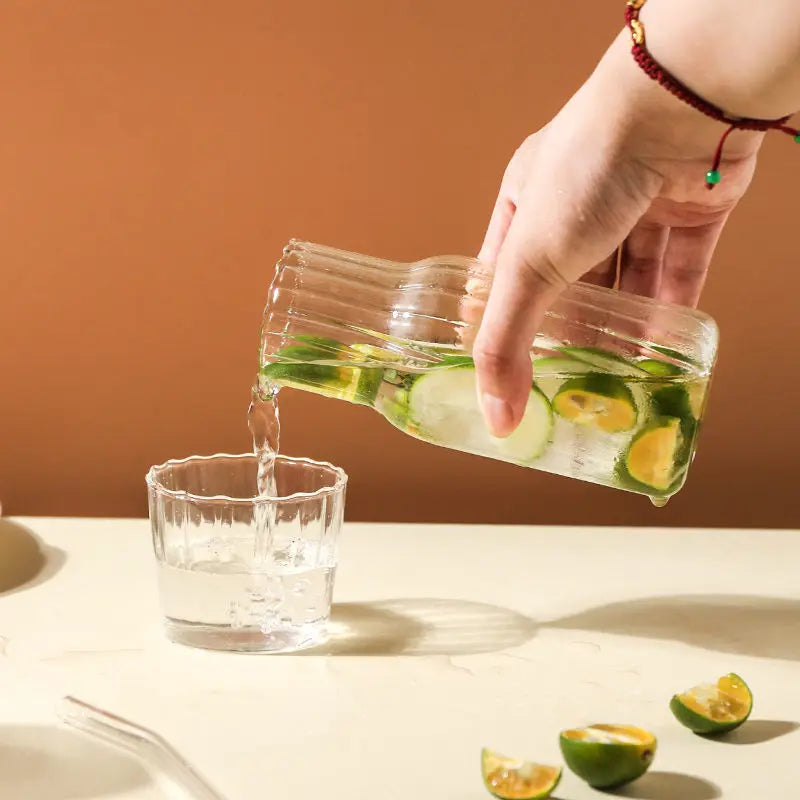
(498, 414)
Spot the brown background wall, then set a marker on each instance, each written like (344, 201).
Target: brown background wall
(155, 156)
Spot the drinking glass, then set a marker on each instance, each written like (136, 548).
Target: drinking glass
(239, 570)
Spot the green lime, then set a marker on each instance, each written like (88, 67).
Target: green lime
(606, 756)
(355, 384)
(375, 353)
(597, 401)
(660, 368)
(512, 779)
(710, 709)
(654, 458)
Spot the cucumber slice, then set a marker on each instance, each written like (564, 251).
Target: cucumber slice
(597, 401)
(443, 408)
(604, 360)
(550, 372)
(563, 367)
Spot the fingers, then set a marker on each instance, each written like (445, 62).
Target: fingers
(499, 223)
(519, 297)
(604, 274)
(686, 261)
(643, 258)
(566, 217)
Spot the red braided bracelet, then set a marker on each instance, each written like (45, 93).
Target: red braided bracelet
(654, 70)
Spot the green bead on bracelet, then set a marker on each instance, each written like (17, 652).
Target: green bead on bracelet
(713, 177)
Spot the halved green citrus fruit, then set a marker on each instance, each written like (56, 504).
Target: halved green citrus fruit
(714, 708)
(660, 368)
(375, 353)
(597, 401)
(654, 458)
(355, 384)
(606, 756)
(513, 779)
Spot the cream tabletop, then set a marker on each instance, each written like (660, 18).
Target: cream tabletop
(445, 639)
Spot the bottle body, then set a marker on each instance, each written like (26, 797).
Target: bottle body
(620, 382)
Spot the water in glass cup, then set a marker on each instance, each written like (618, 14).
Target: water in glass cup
(243, 571)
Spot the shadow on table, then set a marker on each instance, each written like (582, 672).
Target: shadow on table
(758, 626)
(756, 731)
(423, 626)
(49, 763)
(669, 786)
(25, 561)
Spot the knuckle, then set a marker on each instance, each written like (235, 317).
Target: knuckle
(540, 271)
(492, 363)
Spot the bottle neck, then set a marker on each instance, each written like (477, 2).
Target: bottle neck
(321, 293)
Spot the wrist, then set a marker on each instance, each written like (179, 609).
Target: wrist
(740, 56)
(646, 112)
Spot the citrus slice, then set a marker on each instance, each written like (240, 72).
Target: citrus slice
(660, 368)
(513, 779)
(714, 708)
(355, 384)
(597, 401)
(375, 353)
(653, 458)
(606, 756)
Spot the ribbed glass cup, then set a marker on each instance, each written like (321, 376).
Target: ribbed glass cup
(240, 571)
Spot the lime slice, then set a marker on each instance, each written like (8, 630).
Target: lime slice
(711, 709)
(375, 353)
(512, 779)
(697, 397)
(316, 366)
(672, 401)
(660, 368)
(354, 384)
(329, 346)
(606, 756)
(597, 401)
(654, 458)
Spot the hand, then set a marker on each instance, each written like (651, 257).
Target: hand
(623, 163)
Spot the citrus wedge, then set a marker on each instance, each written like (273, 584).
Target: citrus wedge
(513, 779)
(606, 756)
(710, 709)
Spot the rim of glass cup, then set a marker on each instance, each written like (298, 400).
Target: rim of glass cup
(151, 478)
